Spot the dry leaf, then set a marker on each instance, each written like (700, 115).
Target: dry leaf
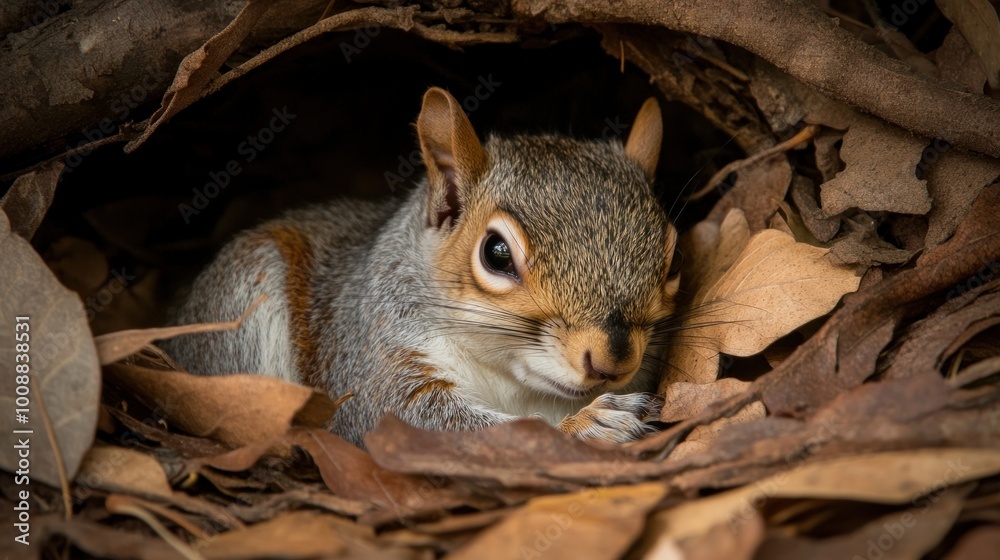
(122, 470)
(116, 346)
(749, 292)
(954, 181)
(301, 534)
(702, 437)
(29, 198)
(126, 471)
(758, 191)
(721, 541)
(200, 67)
(237, 410)
(684, 400)
(64, 375)
(886, 478)
(958, 64)
(978, 22)
(823, 228)
(880, 172)
(351, 473)
(904, 534)
(595, 523)
(511, 454)
(104, 542)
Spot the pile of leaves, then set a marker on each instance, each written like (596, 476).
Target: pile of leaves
(833, 389)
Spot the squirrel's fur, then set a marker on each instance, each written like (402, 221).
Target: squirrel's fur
(394, 302)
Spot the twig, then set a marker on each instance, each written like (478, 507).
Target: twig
(802, 136)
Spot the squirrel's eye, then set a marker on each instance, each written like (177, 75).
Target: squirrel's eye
(496, 255)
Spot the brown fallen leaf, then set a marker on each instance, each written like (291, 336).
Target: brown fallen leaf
(978, 22)
(701, 438)
(747, 293)
(301, 534)
(684, 400)
(954, 181)
(511, 454)
(127, 505)
(116, 346)
(594, 523)
(758, 191)
(102, 541)
(350, 472)
(29, 198)
(979, 542)
(957, 63)
(883, 478)
(721, 541)
(200, 67)
(60, 393)
(119, 470)
(237, 410)
(881, 162)
(823, 228)
(911, 533)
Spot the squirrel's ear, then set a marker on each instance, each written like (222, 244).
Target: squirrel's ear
(643, 145)
(454, 157)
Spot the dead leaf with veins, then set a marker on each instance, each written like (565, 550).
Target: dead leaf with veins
(748, 291)
(880, 173)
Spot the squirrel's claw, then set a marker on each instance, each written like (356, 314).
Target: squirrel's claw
(615, 418)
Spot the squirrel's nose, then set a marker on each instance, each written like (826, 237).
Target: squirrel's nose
(604, 370)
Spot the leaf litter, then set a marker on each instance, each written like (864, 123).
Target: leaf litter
(880, 429)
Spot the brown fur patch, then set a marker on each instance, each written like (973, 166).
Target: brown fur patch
(431, 385)
(414, 368)
(296, 251)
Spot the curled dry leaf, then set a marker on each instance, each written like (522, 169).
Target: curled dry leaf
(884, 478)
(64, 379)
(349, 472)
(512, 454)
(126, 471)
(957, 63)
(293, 535)
(978, 22)
(101, 541)
(914, 533)
(200, 67)
(747, 293)
(119, 345)
(237, 410)
(594, 523)
(880, 173)
(29, 199)
(955, 181)
(758, 192)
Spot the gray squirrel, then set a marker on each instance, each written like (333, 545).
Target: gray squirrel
(523, 277)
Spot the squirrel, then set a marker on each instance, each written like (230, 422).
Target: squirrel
(522, 277)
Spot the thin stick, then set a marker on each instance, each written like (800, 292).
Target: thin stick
(803, 135)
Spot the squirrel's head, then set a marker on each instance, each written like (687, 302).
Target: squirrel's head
(554, 251)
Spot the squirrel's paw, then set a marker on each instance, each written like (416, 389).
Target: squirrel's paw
(616, 418)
